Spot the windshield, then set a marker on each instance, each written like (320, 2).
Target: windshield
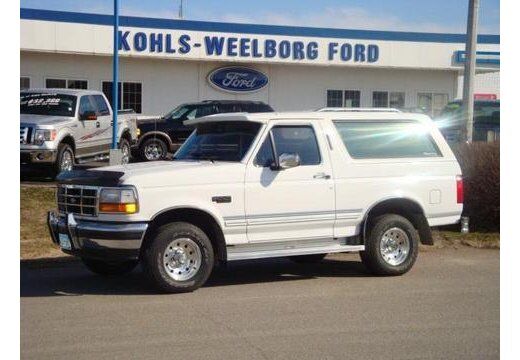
(178, 112)
(220, 141)
(47, 104)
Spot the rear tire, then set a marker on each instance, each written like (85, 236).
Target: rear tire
(391, 246)
(124, 146)
(179, 258)
(307, 259)
(107, 268)
(153, 149)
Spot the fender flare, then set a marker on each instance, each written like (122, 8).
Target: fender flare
(162, 134)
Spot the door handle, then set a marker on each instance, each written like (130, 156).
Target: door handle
(98, 124)
(321, 176)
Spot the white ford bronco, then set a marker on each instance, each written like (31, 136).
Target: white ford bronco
(60, 127)
(249, 186)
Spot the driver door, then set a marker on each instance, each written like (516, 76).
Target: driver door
(292, 204)
(87, 136)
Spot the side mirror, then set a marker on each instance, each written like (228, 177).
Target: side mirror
(287, 161)
(88, 115)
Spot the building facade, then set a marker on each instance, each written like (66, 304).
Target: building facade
(164, 63)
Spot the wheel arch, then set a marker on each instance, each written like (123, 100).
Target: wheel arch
(203, 219)
(159, 135)
(69, 140)
(407, 207)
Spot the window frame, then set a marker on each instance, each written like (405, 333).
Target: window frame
(432, 93)
(28, 78)
(121, 94)
(327, 97)
(429, 136)
(345, 98)
(66, 79)
(273, 143)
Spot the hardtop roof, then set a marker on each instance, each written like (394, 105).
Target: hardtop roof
(77, 92)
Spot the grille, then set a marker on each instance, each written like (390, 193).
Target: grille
(80, 200)
(24, 132)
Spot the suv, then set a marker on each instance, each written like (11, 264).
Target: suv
(60, 127)
(166, 134)
(248, 186)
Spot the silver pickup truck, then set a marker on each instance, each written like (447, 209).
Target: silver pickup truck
(61, 127)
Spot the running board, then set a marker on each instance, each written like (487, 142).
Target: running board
(289, 248)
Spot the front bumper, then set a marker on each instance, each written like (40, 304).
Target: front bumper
(96, 239)
(37, 156)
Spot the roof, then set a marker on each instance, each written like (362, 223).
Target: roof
(308, 115)
(154, 23)
(63, 91)
(353, 109)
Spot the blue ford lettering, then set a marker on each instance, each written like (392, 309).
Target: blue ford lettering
(238, 79)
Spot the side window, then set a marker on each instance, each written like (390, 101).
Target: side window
(205, 111)
(299, 140)
(85, 104)
(385, 139)
(101, 104)
(265, 156)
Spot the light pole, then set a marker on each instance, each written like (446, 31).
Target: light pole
(469, 71)
(115, 153)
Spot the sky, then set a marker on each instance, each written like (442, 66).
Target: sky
(447, 16)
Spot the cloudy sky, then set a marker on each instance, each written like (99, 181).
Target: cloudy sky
(398, 15)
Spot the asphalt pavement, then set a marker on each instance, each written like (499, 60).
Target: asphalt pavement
(446, 307)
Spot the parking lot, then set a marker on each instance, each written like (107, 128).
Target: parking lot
(446, 307)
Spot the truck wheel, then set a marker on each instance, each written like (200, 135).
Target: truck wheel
(391, 246)
(64, 158)
(179, 258)
(153, 149)
(307, 259)
(109, 268)
(124, 146)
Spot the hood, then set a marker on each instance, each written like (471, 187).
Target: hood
(38, 120)
(177, 173)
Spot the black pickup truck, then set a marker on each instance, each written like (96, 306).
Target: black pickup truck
(166, 134)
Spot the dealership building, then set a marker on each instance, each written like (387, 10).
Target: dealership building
(164, 63)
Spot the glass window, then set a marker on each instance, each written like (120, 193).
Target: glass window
(47, 104)
(380, 99)
(299, 140)
(431, 103)
(380, 139)
(132, 94)
(55, 83)
(352, 98)
(397, 100)
(265, 156)
(219, 141)
(334, 98)
(85, 104)
(25, 82)
(101, 104)
(77, 84)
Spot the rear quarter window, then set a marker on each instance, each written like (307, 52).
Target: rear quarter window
(387, 139)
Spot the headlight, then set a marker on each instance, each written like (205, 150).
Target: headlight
(40, 136)
(118, 200)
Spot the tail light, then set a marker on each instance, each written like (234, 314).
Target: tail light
(460, 189)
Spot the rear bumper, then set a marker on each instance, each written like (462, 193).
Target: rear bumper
(37, 156)
(98, 240)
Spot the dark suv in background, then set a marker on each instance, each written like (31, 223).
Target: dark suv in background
(166, 134)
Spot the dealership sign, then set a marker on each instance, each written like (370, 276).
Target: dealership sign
(238, 79)
(483, 57)
(245, 47)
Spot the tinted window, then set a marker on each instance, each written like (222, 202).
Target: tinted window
(85, 104)
(377, 139)
(265, 156)
(299, 140)
(256, 107)
(102, 106)
(221, 141)
(47, 104)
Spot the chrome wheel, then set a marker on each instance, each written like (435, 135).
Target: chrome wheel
(67, 161)
(153, 151)
(394, 246)
(125, 150)
(182, 259)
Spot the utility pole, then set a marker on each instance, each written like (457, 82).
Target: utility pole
(469, 71)
(181, 10)
(115, 153)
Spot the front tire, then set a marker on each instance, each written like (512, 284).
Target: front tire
(107, 268)
(391, 246)
(64, 158)
(124, 146)
(153, 149)
(179, 258)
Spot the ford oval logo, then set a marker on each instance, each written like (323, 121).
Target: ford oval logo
(238, 79)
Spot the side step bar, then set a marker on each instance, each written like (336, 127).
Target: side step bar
(288, 248)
